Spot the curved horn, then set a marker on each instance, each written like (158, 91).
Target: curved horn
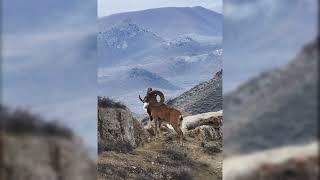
(141, 99)
(159, 93)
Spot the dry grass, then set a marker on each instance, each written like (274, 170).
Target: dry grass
(161, 159)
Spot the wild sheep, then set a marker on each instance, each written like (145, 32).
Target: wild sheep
(161, 112)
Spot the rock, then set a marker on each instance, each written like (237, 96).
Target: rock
(118, 130)
(139, 134)
(205, 133)
(286, 163)
(38, 158)
(206, 129)
(211, 118)
(212, 146)
(210, 138)
(33, 148)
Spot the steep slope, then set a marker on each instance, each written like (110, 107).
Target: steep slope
(172, 21)
(204, 97)
(282, 101)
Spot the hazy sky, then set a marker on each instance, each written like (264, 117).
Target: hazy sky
(107, 7)
(48, 63)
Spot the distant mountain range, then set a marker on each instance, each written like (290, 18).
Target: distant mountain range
(171, 22)
(282, 102)
(144, 49)
(129, 43)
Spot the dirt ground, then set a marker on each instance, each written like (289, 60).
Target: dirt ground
(161, 158)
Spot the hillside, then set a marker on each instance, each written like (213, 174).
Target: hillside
(202, 98)
(279, 102)
(31, 148)
(127, 150)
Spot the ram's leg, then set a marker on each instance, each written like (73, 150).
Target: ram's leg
(159, 128)
(179, 134)
(149, 113)
(156, 122)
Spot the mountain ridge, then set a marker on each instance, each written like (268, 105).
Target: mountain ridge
(205, 97)
(162, 18)
(281, 100)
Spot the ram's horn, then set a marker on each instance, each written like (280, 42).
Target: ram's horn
(141, 99)
(159, 93)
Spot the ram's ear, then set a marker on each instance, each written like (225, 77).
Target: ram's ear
(149, 90)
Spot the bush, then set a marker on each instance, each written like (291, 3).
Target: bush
(22, 122)
(104, 102)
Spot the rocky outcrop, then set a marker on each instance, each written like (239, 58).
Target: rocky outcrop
(211, 118)
(34, 149)
(205, 97)
(205, 128)
(118, 130)
(37, 158)
(286, 163)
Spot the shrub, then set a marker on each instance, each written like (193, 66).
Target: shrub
(104, 102)
(22, 122)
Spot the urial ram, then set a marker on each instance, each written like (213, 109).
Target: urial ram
(161, 112)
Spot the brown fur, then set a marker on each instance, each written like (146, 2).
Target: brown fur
(162, 113)
(169, 115)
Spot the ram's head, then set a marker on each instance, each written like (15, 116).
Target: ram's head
(151, 98)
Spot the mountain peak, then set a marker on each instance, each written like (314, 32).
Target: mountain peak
(139, 72)
(127, 32)
(170, 22)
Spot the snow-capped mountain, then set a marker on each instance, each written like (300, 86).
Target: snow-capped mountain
(125, 39)
(171, 22)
